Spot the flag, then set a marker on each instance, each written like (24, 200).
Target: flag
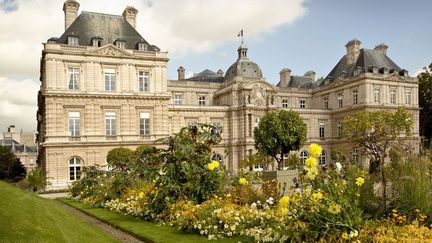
(240, 33)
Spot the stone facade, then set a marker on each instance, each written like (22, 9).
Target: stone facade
(100, 91)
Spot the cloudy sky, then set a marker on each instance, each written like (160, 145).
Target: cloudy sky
(202, 34)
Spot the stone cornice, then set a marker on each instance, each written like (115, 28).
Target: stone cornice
(202, 108)
(110, 96)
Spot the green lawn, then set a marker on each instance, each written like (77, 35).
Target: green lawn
(145, 230)
(25, 217)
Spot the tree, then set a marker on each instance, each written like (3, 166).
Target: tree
(425, 102)
(376, 133)
(278, 133)
(120, 159)
(10, 166)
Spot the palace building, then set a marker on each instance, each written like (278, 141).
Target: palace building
(104, 86)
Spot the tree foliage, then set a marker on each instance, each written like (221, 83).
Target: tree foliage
(376, 133)
(280, 132)
(425, 102)
(120, 159)
(10, 166)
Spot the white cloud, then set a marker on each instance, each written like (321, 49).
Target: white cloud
(180, 27)
(18, 103)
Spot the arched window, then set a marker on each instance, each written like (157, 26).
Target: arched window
(303, 155)
(74, 168)
(322, 159)
(217, 157)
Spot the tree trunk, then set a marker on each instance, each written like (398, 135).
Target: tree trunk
(384, 181)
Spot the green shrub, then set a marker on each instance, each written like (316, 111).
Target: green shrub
(35, 180)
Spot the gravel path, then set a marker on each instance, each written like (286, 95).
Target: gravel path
(115, 233)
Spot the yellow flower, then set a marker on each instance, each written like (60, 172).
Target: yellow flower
(318, 196)
(345, 235)
(334, 208)
(243, 181)
(360, 181)
(284, 201)
(312, 173)
(213, 165)
(311, 162)
(314, 150)
(283, 211)
(141, 194)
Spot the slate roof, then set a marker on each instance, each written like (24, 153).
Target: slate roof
(366, 60)
(300, 82)
(106, 26)
(207, 76)
(16, 147)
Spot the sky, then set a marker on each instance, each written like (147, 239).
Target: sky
(202, 34)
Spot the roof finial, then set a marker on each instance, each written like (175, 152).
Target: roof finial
(240, 34)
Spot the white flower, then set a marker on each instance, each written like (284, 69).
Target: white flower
(253, 205)
(161, 172)
(353, 234)
(338, 166)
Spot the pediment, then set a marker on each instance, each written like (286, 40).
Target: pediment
(394, 77)
(109, 50)
(264, 85)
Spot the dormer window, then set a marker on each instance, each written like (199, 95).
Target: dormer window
(357, 71)
(73, 41)
(373, 69)
(142, 46)
(384, 70)
(403, 73)
(96, 42)
(120, 44)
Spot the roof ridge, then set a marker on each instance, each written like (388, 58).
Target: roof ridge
(104, 14)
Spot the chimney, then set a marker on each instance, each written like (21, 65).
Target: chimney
(353, 51)
(70, 8)
(129, 14)
(310, 74)
(382, 48)
(220, 73)
(181, 73)
(285, 76)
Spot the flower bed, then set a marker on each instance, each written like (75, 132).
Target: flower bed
(195, 194)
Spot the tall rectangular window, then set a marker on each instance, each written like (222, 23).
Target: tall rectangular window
(201, 100)
(143, 79)
(377, 95)
(407, 96)
(325, 102)
(285, 103)
(74, 123)
(120, 44)
(393, 96)
(73, 78)
(355, 97)
(256, 123)
(302, 103)
(321, 129)
(339, 129)
(110, 123)
(144, 123)
(178, 99)
(340, 100)
(110, 79)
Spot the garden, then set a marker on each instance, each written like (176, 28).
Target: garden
(183, 186)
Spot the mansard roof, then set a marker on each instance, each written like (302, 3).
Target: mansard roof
(15, 147)
(367, 59)
(108, 27)
(300, 82)
(207, 76)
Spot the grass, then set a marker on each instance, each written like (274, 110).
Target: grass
(25, 217)
(147, 231)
